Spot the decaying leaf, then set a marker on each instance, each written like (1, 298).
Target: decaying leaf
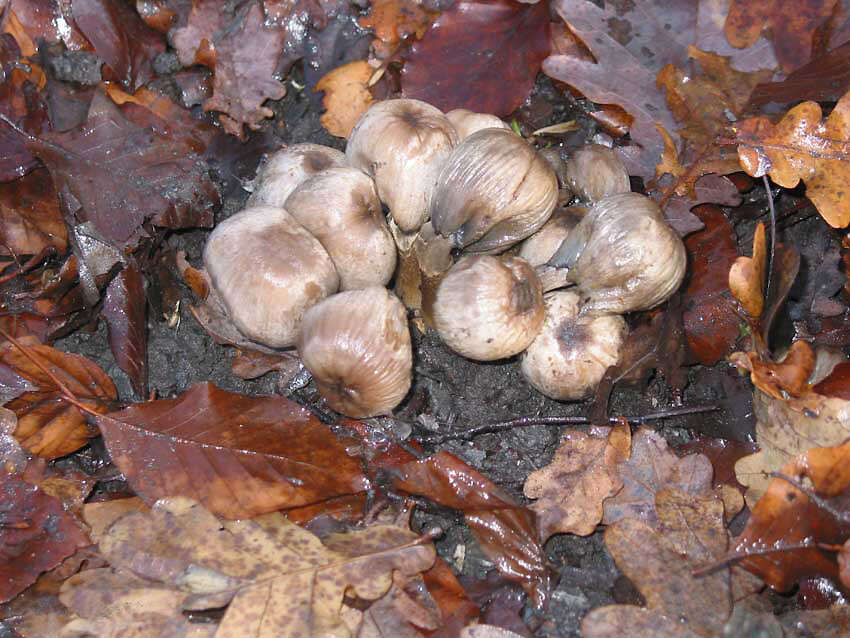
(570, 490)
(276, 578)
(479, 55)
(47, 424)
(347, 96)
(780, 541)
(238, 455)
(802, 147)
(747, 276)
(30, 219)
(393, 21)
(651, 468)
(125, 313)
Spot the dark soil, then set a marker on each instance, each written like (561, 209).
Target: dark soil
(459, 393)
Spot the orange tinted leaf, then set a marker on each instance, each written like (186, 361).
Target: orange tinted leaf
(746, 276)
(479, 55)
(238, 455)
(347, 96)
(393, 21)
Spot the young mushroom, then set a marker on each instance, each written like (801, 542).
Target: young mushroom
(356, 344)
(340, 208)
(267, 270)
(594, 172)
(539, 248)
(468, 122)
(493, 191)
(287, 168)
(623, 255)
(488, 308)
(402, 144)
(569, 357)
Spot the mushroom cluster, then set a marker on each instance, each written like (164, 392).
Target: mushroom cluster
(472, 215)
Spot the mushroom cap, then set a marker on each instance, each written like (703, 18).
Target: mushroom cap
(467, 122)
(340, 208)
(594, 171)
(287, 168)
(623, 255)
(539, 248)
(569, 357)
(268, 270)
(493, 191)
(489, 308)
(401, 144)
(356, 344)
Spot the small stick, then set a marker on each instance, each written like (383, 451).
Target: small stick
(527, 421)
(772, 237)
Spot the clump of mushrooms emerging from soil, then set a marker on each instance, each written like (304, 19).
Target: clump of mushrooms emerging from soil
(475, 243)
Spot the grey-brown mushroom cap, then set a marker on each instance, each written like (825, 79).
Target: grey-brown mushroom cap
(285, 169)
(467, 122)
(542, 245)
(493, 191)
(340, 208)
(569, 357)
(356, 344)
(402, 144)
(594, 171)
(489, 308)
(623, 255)
(267, 270)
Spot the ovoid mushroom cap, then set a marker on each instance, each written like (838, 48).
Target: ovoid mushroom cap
(401, 144)
(267, 270)
(467, 122)
(623, 255)
(340, 208)
(569, 357)
(594, 171)
(539, 248)
(285, 169)
(493, 191)
(488, 307)
(356, 344)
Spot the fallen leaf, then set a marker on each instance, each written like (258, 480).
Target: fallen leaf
(583, 473)
(788, 377)
(115, 163)
(711, 20)
(120, 38)
(837, 384)
(30, 219)
(708, 189)
(822, 79)
(711, 325)
(801, 147)
(50, 21)
(487, 631)
(824, 623)
(790, 25)
(780, 541)
(238, 455)
(347, 96)
(479, 55)
(747, 276)
(99, 516)
(278, 578)
(456, 608)
(246, 61)
(394, 20)
(36, 535)
(651, 468)
(125, 313)
(48, 425)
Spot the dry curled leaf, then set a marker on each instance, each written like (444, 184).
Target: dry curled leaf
(583, 473)
(276, 578)
(238, 455)
(347, 96)
(802, 147)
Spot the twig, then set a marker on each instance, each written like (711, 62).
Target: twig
(527, 421)
(772, 237)
(735, 557)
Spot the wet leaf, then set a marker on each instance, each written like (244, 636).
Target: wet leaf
(708, 189)
(782, 379)
(747, 276)
(36, 535)
(278, 578)
(238, 455)
(802, 147)
(651, 468)
(822, 79)
(790, 25)
(583, 473)
(837, 384)
(48, 425)
(479, 55)
(120, 162)
(120, 38)
(456, 608)
(711, 325)
(125, 313)
(30, 219)
(347, 96)
(786, 517)
(506, 531)
(394, 20)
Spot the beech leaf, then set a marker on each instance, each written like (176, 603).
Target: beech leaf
(30, 219)
(125, 313)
